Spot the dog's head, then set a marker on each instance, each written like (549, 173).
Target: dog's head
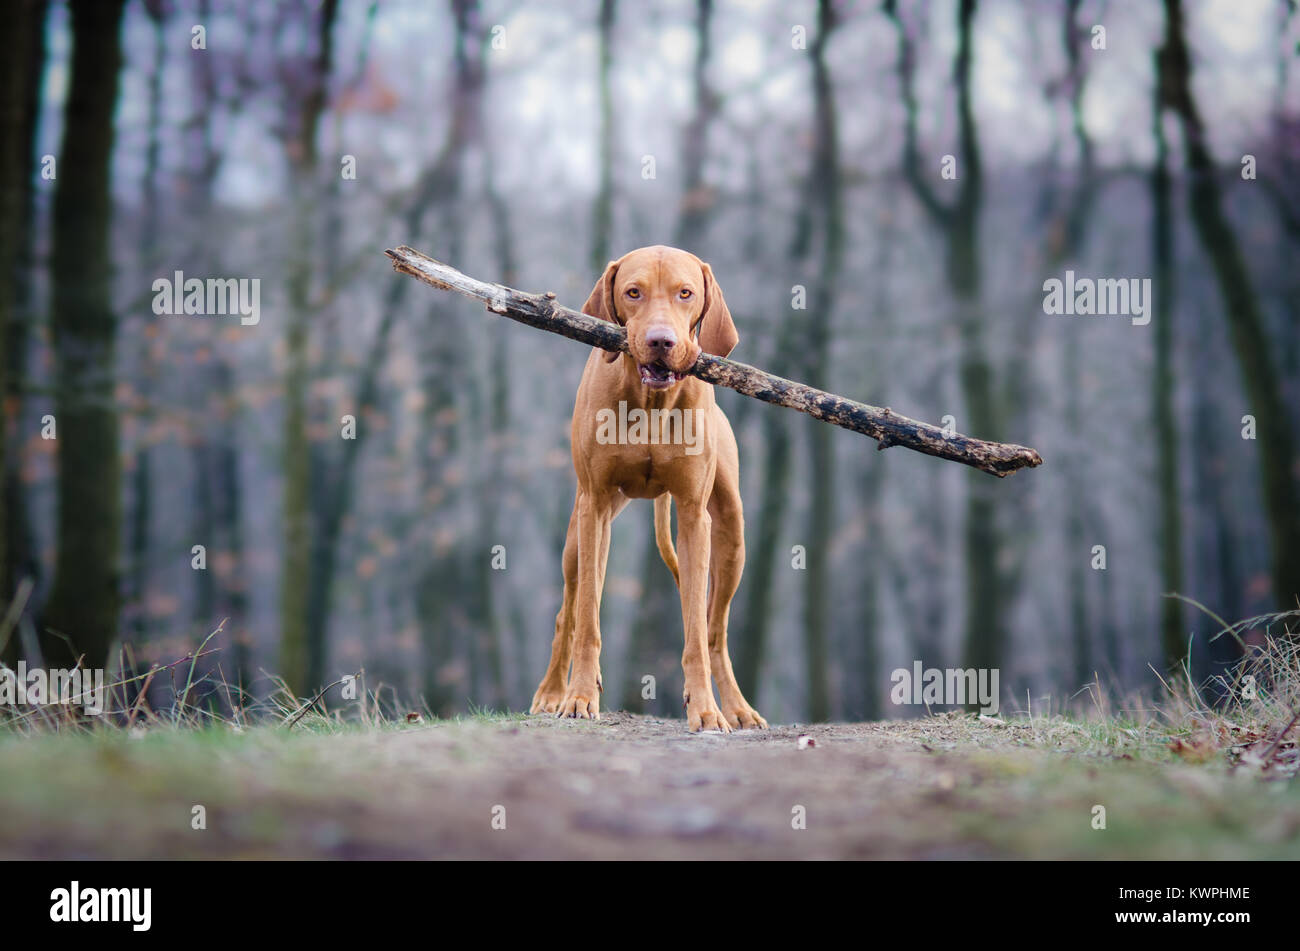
(672, 309)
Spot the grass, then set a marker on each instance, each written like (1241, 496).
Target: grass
(1179, 777)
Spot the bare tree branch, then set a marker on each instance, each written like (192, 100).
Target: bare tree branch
(881, 424)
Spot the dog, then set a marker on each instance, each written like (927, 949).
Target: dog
(673, 309)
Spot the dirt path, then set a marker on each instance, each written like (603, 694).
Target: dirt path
(626, 787)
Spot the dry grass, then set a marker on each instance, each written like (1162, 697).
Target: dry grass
(1253, 730)
(282, 776)
(132, 701)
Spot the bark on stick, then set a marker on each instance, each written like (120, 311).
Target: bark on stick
(880, 423)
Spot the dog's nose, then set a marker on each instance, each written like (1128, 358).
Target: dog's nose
(661, 339)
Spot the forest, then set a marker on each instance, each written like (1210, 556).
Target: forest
(338, 470)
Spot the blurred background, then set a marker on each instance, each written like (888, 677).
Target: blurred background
(920, 169)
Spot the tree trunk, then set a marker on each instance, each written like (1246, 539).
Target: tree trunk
(1083, 650)
(140, 517)
(17, 89)
(823, 194)
(1275, 444)
(230, 515)
(1082, 646)
(82, 610)
(1173, 637)
(982, 541)
(450, 598)
(602, 215)
(821, 197)
(764, 553)
(501, 612)
(301, 648)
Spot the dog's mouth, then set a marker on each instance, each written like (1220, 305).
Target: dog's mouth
(658, 375)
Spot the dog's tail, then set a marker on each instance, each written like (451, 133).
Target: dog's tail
(664, 534)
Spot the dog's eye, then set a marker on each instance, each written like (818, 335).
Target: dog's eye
(685, 293)
(633, 292)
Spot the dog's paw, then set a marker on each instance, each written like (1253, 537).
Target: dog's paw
(744, 717)
(547, 699)
(581, 702)
(704, 715)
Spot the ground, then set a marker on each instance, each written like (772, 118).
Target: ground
(626, 786)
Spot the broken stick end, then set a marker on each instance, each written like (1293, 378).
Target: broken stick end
(1025, 458)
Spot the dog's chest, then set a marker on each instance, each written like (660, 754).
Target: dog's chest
(646, 451)
(640, 472)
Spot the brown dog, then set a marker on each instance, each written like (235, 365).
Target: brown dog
(667, 299)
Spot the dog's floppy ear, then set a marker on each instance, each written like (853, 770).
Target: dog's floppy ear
(718, 334)
(600, 303)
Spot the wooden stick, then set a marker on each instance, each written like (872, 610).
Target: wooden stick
(880, 423)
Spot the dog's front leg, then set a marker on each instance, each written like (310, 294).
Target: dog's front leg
(702, 712)
(582, 698)
(550, 692)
